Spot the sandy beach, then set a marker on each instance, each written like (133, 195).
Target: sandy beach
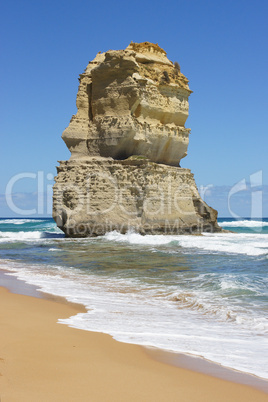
(41, 360)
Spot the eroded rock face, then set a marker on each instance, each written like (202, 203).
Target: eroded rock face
(126, 141)
(131, 102)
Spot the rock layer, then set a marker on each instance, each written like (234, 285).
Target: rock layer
(126, 143)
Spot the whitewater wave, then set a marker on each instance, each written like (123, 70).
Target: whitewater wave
(247, 244)
(181, 317)
(222, 311)
(136, 238)
(230, 243)
(20, 235)
(244, 224)
(16, 221)
(92, 291)
(159, 323)
(28, 236)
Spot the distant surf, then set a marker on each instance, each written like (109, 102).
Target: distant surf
(245, 223)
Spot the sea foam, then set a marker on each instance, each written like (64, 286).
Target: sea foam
(134, 312)
(17, 221)
(205, 295)
(28, 236)
(252, 245)
(244, 224)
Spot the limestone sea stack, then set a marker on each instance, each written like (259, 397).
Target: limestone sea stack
(126, 142)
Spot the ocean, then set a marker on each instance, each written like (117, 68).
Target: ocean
(200, 295)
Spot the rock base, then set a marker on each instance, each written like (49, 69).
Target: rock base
(98, 195)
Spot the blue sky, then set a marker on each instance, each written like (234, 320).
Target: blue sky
(221, 47)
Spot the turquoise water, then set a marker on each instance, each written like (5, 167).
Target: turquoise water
(204, 295)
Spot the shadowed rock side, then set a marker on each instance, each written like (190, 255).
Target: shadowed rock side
(126, 143)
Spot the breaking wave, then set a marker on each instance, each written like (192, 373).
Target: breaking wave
(244, 224)
(247, 244)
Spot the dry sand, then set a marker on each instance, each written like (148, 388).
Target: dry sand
(41, 360)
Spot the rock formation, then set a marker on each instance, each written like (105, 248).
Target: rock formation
(126, 143)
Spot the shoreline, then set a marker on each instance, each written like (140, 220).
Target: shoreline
(178, 364)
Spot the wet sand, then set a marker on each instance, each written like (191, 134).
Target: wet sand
(41, 360)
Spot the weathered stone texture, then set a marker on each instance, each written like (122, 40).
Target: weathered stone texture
(126, 141)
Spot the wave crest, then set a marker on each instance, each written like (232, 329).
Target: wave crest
(244, 224)
(28, 236)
